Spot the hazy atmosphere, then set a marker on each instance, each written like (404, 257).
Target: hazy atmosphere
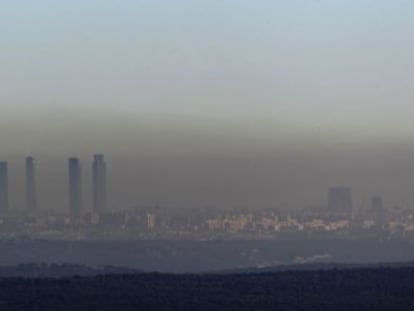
(210, 103)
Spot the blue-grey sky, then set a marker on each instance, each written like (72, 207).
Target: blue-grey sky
(308, 63)
(220, 78)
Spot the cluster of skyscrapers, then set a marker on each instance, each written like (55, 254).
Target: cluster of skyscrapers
(339, 198)
(75, 186)
(98, 186)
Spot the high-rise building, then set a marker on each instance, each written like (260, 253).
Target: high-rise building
(99, 183)
(4, 187)
(31, 203)
(340, 200)
(75, 189)
(377, 204)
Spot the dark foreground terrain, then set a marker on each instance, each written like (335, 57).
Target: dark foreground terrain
(175, 256)
(337, 289)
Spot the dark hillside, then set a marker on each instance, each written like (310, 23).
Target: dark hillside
(352, 289)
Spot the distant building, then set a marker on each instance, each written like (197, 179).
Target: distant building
(4, 187)
(99, 183)
(150, 221)
(340, 200)
(31, 204)
(377, 204)
(75, 189)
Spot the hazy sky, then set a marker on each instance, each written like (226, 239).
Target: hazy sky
(204, 85)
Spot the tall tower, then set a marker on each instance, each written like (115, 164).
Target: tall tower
(4, 188)
(99, 183)
(377, 204)
(31, 204)
(340, 200)
(75, 191)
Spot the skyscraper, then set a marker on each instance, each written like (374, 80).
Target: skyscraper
(377, 204)
(75, 191)
(99, 183)
(340, 200)
(4, 187)
(30, 185)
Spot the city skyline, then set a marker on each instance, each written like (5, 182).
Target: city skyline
(210, 154)
(339, 199)
(219, 103)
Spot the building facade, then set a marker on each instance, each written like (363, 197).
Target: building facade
(340, 200)
(31, 200)
(75, 189)
(4, 187)
(99, 184)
